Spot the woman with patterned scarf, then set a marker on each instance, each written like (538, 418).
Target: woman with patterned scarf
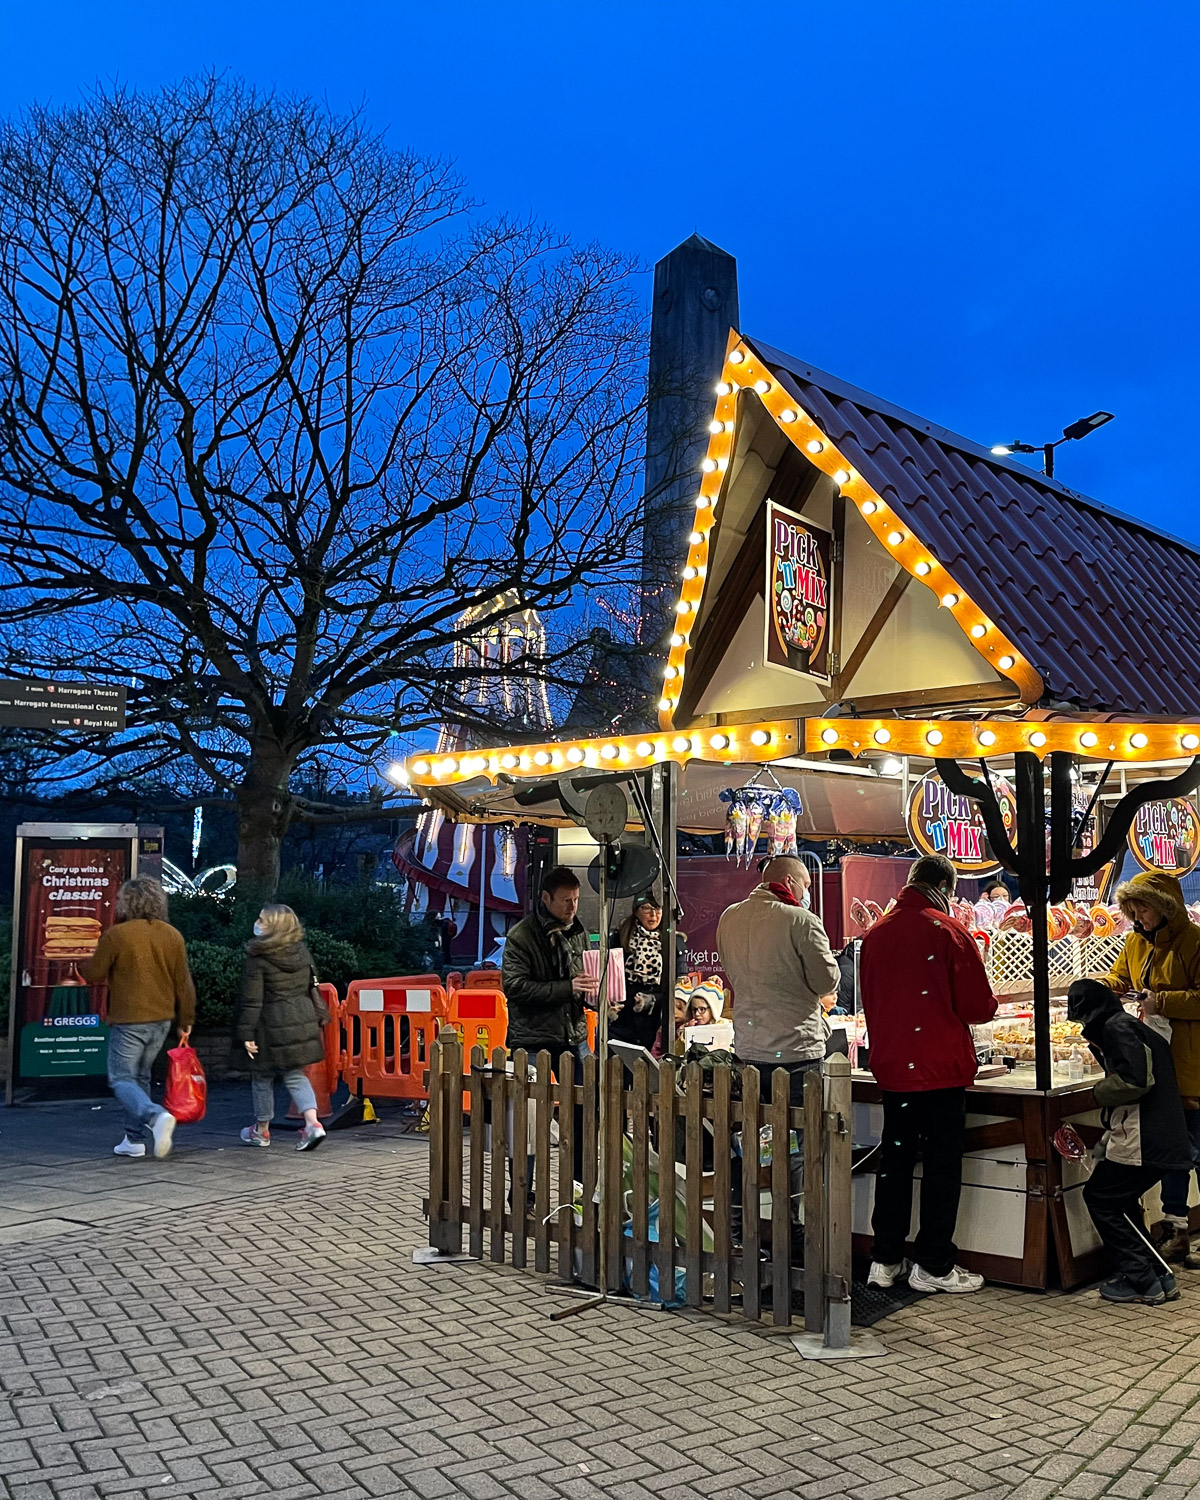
(641, 940)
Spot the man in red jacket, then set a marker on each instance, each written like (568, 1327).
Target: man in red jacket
(923, 988)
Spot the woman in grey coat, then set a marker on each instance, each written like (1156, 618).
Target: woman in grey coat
(280, 1022)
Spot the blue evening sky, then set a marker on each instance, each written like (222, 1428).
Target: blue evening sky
(984, 210)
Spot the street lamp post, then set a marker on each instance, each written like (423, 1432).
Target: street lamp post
(1071, 434)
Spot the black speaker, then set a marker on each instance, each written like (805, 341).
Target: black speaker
(632, 869)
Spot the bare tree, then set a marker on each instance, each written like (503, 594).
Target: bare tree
(276, 404)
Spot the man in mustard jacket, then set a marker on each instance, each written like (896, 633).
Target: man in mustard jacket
(1161, 962)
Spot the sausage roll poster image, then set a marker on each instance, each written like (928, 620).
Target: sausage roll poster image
(799, 594)
(68, 898)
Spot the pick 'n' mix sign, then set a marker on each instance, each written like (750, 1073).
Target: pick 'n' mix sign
(1166, 836)
(941, 822)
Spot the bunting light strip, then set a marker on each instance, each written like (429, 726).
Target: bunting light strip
(969, 739)
(735, 744)
(744, 370)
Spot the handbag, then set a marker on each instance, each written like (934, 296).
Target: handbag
(187, 1088)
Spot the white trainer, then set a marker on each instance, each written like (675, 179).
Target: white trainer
(881, 1274)
(955, 1280)
(162, 1130)
(126, 1147)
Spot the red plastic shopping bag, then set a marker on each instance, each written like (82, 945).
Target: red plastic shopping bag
(187, 1087)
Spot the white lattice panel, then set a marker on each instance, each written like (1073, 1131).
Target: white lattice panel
(1010, 960)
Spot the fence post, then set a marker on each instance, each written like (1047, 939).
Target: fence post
(814, 1202)
(437, 1152)
(840, 1116)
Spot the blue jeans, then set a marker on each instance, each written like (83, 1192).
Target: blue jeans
(132, 1048)
(1177, 1185)
(295, 1080)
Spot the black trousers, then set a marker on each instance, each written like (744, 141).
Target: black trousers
(1112, 1195)
(928, 1125)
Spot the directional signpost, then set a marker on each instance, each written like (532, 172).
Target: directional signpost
(83, 706)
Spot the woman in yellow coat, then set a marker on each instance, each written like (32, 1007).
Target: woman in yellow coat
(1161, 962)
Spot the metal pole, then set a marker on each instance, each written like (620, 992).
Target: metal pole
(1048, 469)
(485, 830)
(602, 1060)
(1031, 869)
(670, 811)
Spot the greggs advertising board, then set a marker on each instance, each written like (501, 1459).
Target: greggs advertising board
(67, 879)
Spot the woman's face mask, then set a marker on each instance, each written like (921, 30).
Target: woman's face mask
(259, 929)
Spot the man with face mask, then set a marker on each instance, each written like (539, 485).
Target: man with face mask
(784, 975)
(1160, 963)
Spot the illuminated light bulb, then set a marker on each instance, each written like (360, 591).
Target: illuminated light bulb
(689, 572)
(1138, 741)
(841, 476)
(829, 736)
(736, 357)
(814, 445)
(729, 426)
(949, 600)
(694, 604)
(1190, 741)
(934, 737)
(682, 607)
(709, 465)
(669, 672)
(895, 538)
(609, 752)
(923, 569)
(719, 741)
(1037, 738)
(664, 704)
(716, 427)
(787, 416)
(421, 767)
(722, 465)
(677, 640)
(702, 502)
(680, 743)
(509, 762)
(645, 747)
(695, 538)
(762, 386)
(979, 631)
(542, 758)
(987, 737)
(869, 508)
(723, 388)
(1088, 739)
(760, 737)
(882, 736)
(575, 754)
(1006, 662)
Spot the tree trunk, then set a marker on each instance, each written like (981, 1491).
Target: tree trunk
(264, 812)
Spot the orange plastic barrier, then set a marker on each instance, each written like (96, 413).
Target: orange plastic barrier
(482, 979)
(324, 1075)
(481, 1019)
(388, 1028)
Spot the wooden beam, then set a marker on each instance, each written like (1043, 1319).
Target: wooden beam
(837, 607)
(883, 613)
(967, 695)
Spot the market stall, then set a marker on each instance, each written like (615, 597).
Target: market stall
(867, 600)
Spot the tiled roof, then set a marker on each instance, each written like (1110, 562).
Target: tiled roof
(1105, 607)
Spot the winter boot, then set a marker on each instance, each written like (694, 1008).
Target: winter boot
(1177, 1242)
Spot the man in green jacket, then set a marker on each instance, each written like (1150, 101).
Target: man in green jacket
(542, 972)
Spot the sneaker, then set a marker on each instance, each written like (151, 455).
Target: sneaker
(162, 1130)
(882, 1274)
(1191, 1261)
(126, 1147)
(255, 1135)
(1170, 1290)
(1176, 1244)
(1121, 1289)
(310, 1138)
(955, 1280)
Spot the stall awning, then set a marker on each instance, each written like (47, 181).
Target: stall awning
(1104, 607)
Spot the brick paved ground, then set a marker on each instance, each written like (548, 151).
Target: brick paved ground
(246, 1323)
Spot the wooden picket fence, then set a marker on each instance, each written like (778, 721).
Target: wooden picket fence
(666, 1127)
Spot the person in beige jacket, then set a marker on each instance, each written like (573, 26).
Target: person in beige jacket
(143, 960)
(778, 959)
